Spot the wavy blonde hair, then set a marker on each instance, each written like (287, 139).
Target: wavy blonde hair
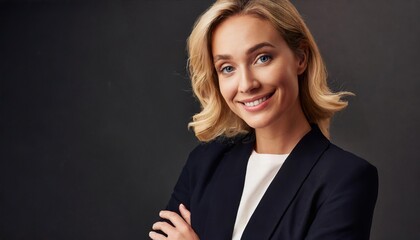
(318, 102)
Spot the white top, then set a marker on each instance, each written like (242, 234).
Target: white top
(260, 172)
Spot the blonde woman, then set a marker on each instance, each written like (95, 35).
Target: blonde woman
(265, 168)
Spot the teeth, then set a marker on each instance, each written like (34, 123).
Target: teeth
(256, 102)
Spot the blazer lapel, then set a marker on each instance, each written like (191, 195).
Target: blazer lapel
(226, 192)
(285, 185)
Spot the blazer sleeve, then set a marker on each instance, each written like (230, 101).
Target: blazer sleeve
(181, 191)
(201, 163)
(347, 211)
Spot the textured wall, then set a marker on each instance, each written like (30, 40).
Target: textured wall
(94, 102)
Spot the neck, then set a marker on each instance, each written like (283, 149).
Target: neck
(282, 138)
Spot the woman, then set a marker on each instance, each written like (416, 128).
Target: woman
(265, 169)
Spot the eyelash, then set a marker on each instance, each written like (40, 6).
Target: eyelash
(264, 56)
(224, 69)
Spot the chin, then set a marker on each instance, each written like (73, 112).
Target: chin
(255, 124)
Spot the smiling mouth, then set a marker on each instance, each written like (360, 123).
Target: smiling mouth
(258, 101)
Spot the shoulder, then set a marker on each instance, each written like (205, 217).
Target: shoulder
(340, 168)
(206, 151)
(209, 150)
(344, 160)
(206, 159)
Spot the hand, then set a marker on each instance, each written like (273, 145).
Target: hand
(181, 230)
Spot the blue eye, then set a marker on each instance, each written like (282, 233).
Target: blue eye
(263, 59)
(227, 69)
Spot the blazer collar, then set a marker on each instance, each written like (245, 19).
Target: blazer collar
(229, 181)
(285, 185)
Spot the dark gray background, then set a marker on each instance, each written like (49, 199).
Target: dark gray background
(94, 103)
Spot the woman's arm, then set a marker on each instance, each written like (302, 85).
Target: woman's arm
(175, 221)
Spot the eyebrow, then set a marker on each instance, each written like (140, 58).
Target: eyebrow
(249, 51)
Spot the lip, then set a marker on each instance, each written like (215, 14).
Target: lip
(268, 95)
(258, 107)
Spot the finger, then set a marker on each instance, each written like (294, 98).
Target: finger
(175, 219)
(164, 227)
(156, 236)
(185, 213)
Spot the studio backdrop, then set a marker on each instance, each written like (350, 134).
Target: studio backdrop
(95, 100)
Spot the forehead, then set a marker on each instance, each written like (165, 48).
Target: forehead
(240, 32)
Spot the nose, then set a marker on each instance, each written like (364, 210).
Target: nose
(247, 81)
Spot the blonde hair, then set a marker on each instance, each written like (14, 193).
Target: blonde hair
(318, 102)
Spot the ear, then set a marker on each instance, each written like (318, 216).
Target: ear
(302, 57)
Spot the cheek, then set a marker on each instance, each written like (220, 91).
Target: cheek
(228, 90)
(284, 78)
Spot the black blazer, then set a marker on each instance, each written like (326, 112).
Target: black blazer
(320, 192)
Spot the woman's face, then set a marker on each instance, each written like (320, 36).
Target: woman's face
(257, 71)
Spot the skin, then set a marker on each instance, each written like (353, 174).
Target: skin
(181, 229)
(252, 62)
